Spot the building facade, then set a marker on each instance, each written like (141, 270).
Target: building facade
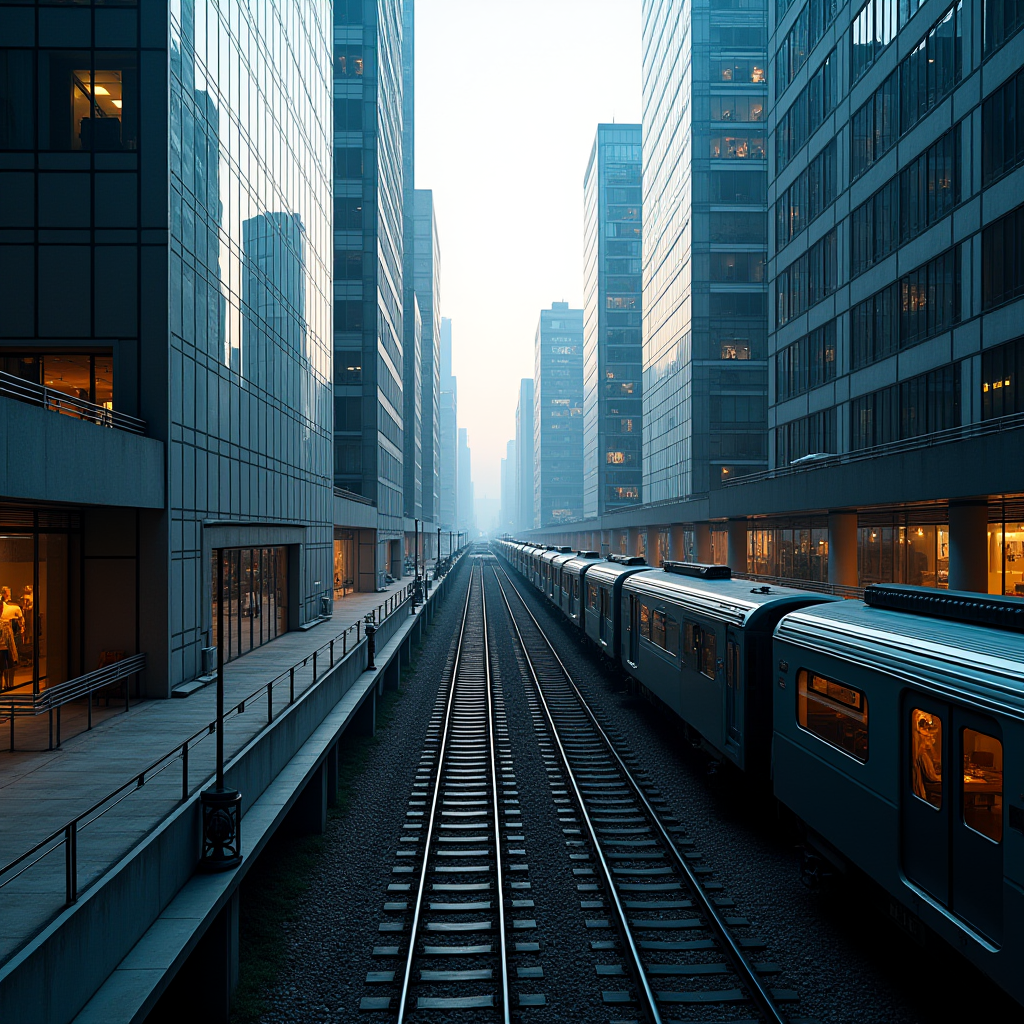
(524, 456)
(449, 448)
(508, 501)
(369, 294)
(466, 511)
(612, 301)
(704, 294)
(170, 276)
(558, 416)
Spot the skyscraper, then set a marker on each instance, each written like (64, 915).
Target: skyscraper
(612, 351)
(181, 302)
(466, 514)
(508, 501)
(705, 180)
(525, 483)
(558, 416)
(368, 279)
(449, 450)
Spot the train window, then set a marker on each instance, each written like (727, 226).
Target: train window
(926, 757)
(566, 583)
(707, 646)
(671, 635)
(658, 629)
(592, 596)
(833, 712)
(576, 587)
(606, 605)
(983, 784)
(645, 622)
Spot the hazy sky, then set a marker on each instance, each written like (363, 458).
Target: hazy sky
(508, 97)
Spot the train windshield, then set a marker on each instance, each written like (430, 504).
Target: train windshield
(926, 757)
(983, 784)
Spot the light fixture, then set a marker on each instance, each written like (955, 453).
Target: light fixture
(920, 532)
(100, 90)
(117, 103)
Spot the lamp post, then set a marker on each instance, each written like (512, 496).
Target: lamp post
(222, 808)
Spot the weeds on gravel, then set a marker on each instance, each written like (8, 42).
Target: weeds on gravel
(272, 891)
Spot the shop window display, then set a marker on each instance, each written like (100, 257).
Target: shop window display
(918, 555)
(344, 563)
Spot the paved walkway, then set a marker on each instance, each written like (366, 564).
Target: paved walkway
(40, 790)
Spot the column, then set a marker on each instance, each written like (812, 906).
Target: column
(737, 534)
(703, 538)
(842, 549)
(677, 542)
(968, 546)
(632, 540)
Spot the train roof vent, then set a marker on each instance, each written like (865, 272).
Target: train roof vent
(956, 605)
(627, 559)
(588, 554)
(565, 548)
(698, 569)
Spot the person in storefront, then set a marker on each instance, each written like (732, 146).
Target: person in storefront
(927, 773)
(8, 654)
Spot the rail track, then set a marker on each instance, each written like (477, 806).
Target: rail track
(678, 942)
(457, 956)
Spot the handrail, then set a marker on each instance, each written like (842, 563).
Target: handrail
(1015, 421)
(68, 832)
(58, 401)
(52, 697)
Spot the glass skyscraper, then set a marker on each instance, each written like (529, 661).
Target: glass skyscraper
(612, 347)
(368, 256)
(558, 415)
(705, 180)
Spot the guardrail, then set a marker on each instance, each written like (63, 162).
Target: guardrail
(320, 661)
(67, 405)
(914, 444)
(52, 698)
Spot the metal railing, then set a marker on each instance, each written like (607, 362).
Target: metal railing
(67, 405)
(913, 444)
(320, 661)
(341, 492)
(786, 581)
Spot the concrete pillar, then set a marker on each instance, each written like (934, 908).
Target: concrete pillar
(842, 549)
(332, 775)
(968, 546)
(392, 673)
(737, 545)
(364, 721)
(308, 816)
(703, 538)
(632, 540)
(676, 542)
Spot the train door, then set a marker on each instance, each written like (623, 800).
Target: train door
(952, 811)
(633, 625)
(732, 686)
(605, 611)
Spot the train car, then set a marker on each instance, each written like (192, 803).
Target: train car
(899, 727)
(573, 573)
(537, 566)
(601, 618)
(701, 642)
(551, 572)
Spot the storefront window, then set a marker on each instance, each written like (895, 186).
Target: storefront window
(983, 784)
(926, 757)
(914, 554)
(255, 596)
(344, 563)
(88, 376)
(1006, 559)
(789, 553)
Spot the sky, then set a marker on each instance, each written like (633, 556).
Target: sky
(509, 94)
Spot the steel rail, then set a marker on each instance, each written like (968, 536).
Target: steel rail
(744, 969)
(649, 1004)
(418, 909)
(503, 951)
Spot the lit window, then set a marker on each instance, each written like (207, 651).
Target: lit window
(645, 622)
(833, 712)
(616, 458)
(926, 757)
(983, 784)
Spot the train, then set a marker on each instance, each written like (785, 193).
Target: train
(891, 726)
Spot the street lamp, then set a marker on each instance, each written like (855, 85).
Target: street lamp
(222, 808)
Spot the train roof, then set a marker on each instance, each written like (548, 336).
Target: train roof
(950, 658)
(580, 561)
(738, 602)
(558, 557)
(609, 572)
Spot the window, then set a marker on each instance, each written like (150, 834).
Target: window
(810, 278)
(1002, 260)
(732, 69)
(926, 757)
(348, 315)
(809, 435)
(1001, 369)
(739, 187)
(732, 107)
(348, 62)
(983, 784)
(807, 113)
(1003, 19)
(17, 100)
(874, 28)
(808, 28)
(671, 636)
(930, 186)
(834, 713)
(737, 147)
(1002, 133)
(86, 376)
(813, 191)
(348, 162)
(348, 266)
(874, 228)
(348, 214)
(929, 72)
(348, 115)
(921, 405)
(645, 622)
(658, 629)
(807, 363)
(707, 643)
(730, 227)
(738, 267)
(874, 126)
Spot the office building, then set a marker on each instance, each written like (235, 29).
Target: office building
(466, 513)
(705, 179)
(449, 449)
(524, 456)
(179, 302)
(612, 350)
(369, 293)
(558, 415)
(508, 501)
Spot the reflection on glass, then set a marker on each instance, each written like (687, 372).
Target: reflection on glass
(926, 757)
(983, 784)
(834, 712)
(254, 596)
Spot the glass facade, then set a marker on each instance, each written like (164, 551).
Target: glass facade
(368, 258)
(254, 597)
(704, 297)
(558, 416)
(613, 352)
